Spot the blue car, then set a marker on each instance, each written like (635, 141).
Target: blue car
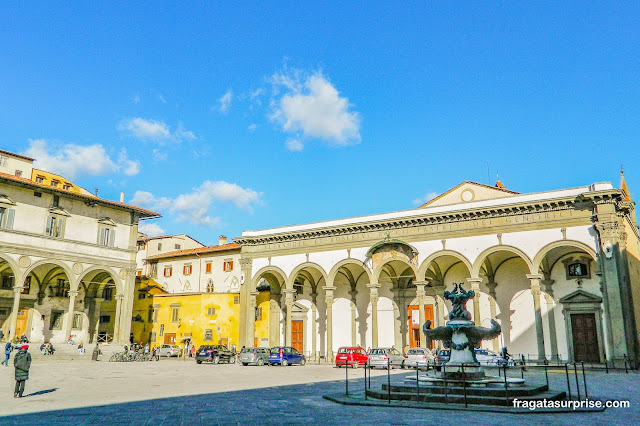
(285, 355)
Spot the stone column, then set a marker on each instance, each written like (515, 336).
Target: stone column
(247, 318)
(373, 296)
(493, 311)
(288, 294)
(251, 322)
(421, 296)
(116, 326)
(354, 318)
(70, 313)
(97, 302)
(328, 291)
(475, 286)
(314, 324)
(535, 292)
(551, 317)
(14, 313)
(275, 333)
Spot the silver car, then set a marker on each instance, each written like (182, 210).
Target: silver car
(255, 356)
(418, 357)
(383, 357)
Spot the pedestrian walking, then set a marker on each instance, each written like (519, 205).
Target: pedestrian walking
(7, 353)
(96, 352)
(22, 363)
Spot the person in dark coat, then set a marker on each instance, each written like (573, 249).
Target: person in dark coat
(7, 353)
(22, 363)
(96, 353)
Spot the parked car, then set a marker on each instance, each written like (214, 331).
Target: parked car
(169, 350)
(353, 356)
(255, 356)
(383, 357)
(487, 357)
(285, 355)
(416, 357)
(442, 356)
(214, 354)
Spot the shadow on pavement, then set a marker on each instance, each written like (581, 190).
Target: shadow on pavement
(42, 392)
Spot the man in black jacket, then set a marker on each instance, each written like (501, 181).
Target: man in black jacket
(22, 363)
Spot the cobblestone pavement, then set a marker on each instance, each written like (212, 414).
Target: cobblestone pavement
(181, 392)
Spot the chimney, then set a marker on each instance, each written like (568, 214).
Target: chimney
(222, 240)
(122, 196)
(96, 192)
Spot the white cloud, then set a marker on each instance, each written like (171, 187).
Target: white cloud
(154, 130)
(158, 156)
(136, 99)
(195, 207)
(71, 160)
(128, 167)
(162, 99)
(294, 145)
(225, 101)
(252, 127)
(150, 229)
(430, 196)
(314, 107)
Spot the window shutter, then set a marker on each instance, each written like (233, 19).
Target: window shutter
(48, 230)
(10, 214)
(102, 236)
(59, 228)
(112, 238)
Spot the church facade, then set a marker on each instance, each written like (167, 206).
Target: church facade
(559, 270)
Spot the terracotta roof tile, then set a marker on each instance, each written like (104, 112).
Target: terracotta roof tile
(211, 249)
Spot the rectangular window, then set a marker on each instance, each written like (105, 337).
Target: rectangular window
(18, 173)
(54, 183)
(186, 270)
(39, 179)
(161, 330)
(153, 269)
(236, 300)
(139, 273)
(153, 315)
(141, 295)
(175, 314)
(54, 226)
(3, 161)
(211, 311)
(177, 246)
(105, 319)
(208, 336)
(207, 267)
(6, 218)
(168, 270)
(61, 288)
(228, 265)
(141, 245)
(107, 236)
(56, 201)
(159, 246)
(259, 314)
(56, 320)
(7, 282)
(107, 293)
(27, 285)
(77, 322)
(66, 186)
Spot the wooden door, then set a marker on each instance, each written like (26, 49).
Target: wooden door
(415, 329)
(169, 338)
(297, 335)
(585, 338)
(21, 323)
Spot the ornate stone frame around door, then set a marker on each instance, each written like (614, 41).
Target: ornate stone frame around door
(581, 302)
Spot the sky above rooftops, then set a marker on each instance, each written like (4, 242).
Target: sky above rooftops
(242, 117)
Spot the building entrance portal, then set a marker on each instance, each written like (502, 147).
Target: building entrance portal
(415, 328)
(585, 337)
(297, 335)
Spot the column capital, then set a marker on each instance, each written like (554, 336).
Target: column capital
(254, 294)
(373, 286)
(532, 277)
(329, 288)
(425, 282)
(245, 263)
(474, 280)
(73, 293)
(17, 290)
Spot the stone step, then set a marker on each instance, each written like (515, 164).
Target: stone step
(495, 391)
(459, 399)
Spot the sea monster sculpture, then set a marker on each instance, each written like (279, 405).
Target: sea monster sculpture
(459, 324)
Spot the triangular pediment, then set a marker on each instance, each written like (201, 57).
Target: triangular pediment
(106, 221)
(467, 192)
(297, 307)
(6, 200)
(580, 296)
(59, 211)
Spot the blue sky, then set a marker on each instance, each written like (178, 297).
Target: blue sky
(233, 117)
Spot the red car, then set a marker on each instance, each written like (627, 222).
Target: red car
(353, 356)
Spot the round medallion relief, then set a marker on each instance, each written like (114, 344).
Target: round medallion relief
(24, 261)
(77, 268)
(123, 273)
(467, 195)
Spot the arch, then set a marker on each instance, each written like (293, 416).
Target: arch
(73, 282)
(210, 287)
(344, 262)
(537, 260)
(103, 269)
(14, 266)
(302, 266)
(274, 270)
(378, 270)
(477, 265)
(424, 266)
